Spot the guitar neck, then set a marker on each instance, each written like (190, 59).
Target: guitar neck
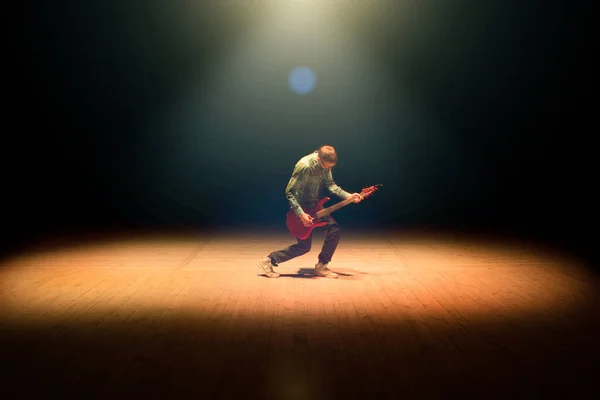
(329, 210)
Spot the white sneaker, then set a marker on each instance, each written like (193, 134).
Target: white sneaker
(322, 270)
(266, 267)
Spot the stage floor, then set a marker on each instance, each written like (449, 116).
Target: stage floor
(412, 315)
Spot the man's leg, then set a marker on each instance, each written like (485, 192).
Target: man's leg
(332, 238)
(283, 255)
(293, 251)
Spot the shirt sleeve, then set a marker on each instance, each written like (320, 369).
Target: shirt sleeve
(332, 187)
(290, 190)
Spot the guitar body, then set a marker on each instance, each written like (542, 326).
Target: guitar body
(295, 226)
(299, 231)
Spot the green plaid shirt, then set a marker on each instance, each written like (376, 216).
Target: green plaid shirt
(307, 181)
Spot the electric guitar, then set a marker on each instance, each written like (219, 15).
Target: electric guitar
(297, 228)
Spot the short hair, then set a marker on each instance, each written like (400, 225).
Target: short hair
(328, 154)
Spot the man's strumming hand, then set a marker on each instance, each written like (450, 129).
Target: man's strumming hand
(306, 219)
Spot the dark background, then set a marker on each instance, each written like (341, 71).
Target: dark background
(482, 124)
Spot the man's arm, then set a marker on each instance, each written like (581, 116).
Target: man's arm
(332, 187)
(290, 190)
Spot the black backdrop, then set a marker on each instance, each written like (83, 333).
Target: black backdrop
(481, 123)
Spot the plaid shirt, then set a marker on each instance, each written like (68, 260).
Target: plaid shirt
(307, 180)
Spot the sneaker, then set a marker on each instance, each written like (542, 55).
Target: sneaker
(266, 267)
(322, 270)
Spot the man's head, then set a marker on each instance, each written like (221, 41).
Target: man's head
(327, 156)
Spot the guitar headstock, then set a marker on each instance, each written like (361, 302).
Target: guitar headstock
(366, 192)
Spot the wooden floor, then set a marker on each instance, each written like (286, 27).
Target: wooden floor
(411, 316)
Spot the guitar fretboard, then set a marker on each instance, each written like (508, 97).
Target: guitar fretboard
(337, 206)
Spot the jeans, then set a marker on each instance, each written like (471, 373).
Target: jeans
(332, 238)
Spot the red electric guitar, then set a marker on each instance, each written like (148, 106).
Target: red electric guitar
(297, 228)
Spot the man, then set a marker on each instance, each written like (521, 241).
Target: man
(311, 173)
